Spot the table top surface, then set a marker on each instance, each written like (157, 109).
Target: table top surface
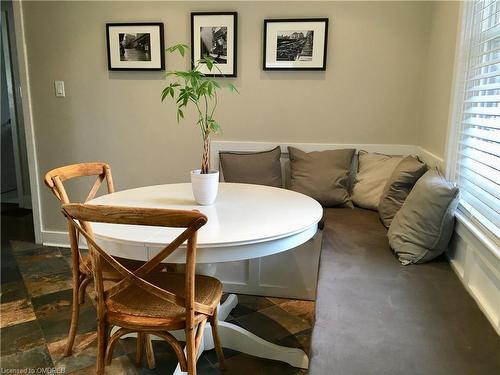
(242, 214)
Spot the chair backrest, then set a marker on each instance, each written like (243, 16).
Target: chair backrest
(54, 179)
(81, 215)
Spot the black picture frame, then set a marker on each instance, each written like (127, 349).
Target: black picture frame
(158, 49)
(321, 63)
(231, 69)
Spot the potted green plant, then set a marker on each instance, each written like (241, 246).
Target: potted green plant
(193, 89)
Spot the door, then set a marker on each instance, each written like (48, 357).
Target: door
(13, 182)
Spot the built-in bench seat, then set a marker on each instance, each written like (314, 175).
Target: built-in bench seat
(375, 316)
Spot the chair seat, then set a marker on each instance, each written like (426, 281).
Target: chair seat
(135, 305)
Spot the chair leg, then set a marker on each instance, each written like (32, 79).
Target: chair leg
(111, 342)
(150, 355)
(191, 351)
(139, 348)
(102, 338)
(75, 311)
(215, 335)
(83, 288)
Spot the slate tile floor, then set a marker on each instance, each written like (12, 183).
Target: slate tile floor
(35, 308)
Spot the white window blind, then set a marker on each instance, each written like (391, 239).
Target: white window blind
(478, 159)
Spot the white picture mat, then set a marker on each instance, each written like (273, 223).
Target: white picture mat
(114, 46)
(214, 21)
(318, 43)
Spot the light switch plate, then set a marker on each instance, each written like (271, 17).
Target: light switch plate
(59, 87)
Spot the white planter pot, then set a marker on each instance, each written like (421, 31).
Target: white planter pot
(205, 186)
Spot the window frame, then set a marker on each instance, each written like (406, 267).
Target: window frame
(458, 96)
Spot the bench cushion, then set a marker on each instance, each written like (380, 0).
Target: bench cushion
(375, 316)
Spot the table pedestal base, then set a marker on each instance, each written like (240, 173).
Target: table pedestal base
(237, 338)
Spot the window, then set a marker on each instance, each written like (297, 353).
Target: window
(476, 160)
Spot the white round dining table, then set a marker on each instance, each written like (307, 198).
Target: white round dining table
(245, 222)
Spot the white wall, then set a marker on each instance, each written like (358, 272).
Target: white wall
(371, 91)
(438, 76)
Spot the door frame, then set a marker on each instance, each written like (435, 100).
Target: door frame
(26, 108)
(12, 108)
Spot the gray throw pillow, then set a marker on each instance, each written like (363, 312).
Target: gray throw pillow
(322, 175)
(260, 168)
(422, 228)
(397, 188)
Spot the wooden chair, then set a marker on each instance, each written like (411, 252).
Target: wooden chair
(141, 301)
(82, 270)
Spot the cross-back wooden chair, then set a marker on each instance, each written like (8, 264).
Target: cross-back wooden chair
(141, 301)
(81, 267)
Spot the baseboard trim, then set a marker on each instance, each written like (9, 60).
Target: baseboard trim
(246, 146)
(55, 238)
(488, 313)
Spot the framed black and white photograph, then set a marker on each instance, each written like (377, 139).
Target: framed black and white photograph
(295, 44)
(213, 35)
(135, 46)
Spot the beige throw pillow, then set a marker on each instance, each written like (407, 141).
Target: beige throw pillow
(260, 168)
(374, 170)
(323, 175)
(406, 174)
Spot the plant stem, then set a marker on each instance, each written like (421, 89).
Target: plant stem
(215, 105)
(205, 160)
